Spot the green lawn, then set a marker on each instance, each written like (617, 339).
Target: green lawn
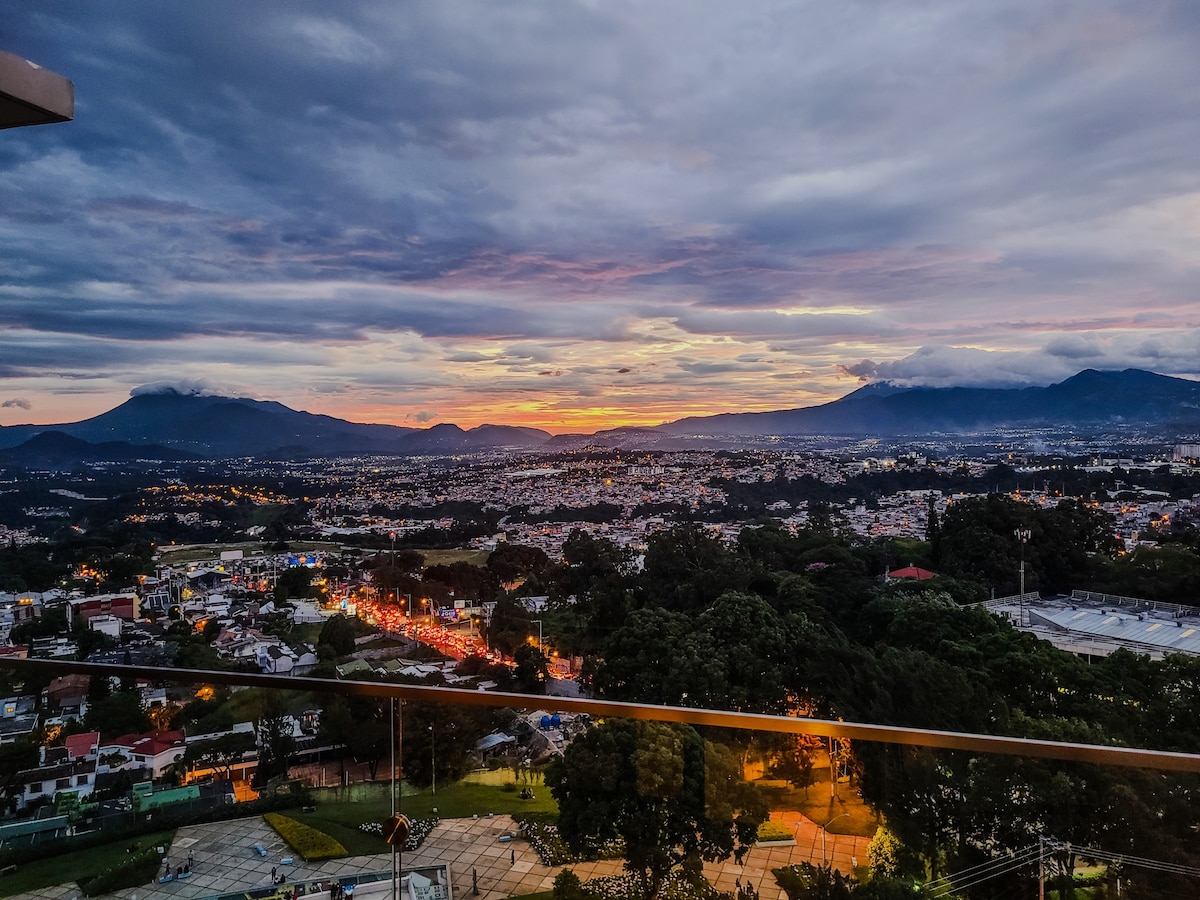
(447, 557)
(479, 794)
(307, 632)
(77, 864)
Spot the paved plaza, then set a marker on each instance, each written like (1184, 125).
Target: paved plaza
(225, 861)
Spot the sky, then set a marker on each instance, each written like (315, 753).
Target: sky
(579, 215)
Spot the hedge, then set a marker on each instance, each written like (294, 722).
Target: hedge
(774, 831)
(129, 871)
(304, 839)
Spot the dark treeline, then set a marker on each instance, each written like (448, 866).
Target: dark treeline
(783, 622)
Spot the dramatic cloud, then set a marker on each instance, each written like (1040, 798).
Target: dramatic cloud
(675, 208)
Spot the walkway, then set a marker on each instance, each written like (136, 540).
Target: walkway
(225, 861)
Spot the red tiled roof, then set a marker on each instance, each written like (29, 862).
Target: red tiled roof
(150, 744)
(913, 572)
(80, 745)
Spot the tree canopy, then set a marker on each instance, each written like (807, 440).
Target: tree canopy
(661, 789)
(804, 623)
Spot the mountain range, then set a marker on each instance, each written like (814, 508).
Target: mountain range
(175, 425)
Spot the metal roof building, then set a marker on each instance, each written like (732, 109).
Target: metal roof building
(1098, 624)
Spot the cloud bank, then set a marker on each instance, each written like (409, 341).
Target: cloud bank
(674, 208)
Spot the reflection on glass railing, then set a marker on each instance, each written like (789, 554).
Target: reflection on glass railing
(255, 788)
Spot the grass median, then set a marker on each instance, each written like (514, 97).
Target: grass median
(78, 865)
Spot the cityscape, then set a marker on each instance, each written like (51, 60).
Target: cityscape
(490, 572)
(599, 451)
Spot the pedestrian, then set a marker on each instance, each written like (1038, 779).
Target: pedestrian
(166, 866)
(273, 874)
(191, 860)
(513, 859)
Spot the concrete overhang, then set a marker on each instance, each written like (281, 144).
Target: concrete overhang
(31, 95)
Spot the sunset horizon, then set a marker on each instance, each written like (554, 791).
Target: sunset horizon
(578, 217)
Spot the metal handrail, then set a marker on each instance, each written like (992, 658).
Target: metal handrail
(887, 734)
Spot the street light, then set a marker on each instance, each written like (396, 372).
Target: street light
(539, 625)
(824, 829)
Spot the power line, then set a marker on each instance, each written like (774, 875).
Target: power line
(1023, 853)
(1125, 859)
(969, 878)
(975, 875)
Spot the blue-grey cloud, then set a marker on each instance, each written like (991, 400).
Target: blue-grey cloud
(269, 186)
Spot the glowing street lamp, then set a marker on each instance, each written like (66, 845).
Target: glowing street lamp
(824, 830)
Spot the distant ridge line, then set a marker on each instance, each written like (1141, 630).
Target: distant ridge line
(214, 427)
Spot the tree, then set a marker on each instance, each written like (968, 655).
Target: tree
(508, 626)
(275, 742)
(15, 758)
(223, 752)
(338, 633)
(294, 582)
(662, 789)
(441, 735)
(532, 668)
(120, 713)
(278, 623)
(511, 562)
(362, 725)
(462, 580)
(732, 655)
(795, 764)
(806, 881)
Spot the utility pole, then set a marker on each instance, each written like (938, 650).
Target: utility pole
(1041, 868)
(832, 773)
(1022, 535)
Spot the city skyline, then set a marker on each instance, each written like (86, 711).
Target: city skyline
(580, 216)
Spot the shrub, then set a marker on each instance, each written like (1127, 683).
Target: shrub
(418, 830)
(807, 880)
(567, 886)
(129, 871)
(626, 887)
(309, 843)
(552, 850)
(774, 831)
